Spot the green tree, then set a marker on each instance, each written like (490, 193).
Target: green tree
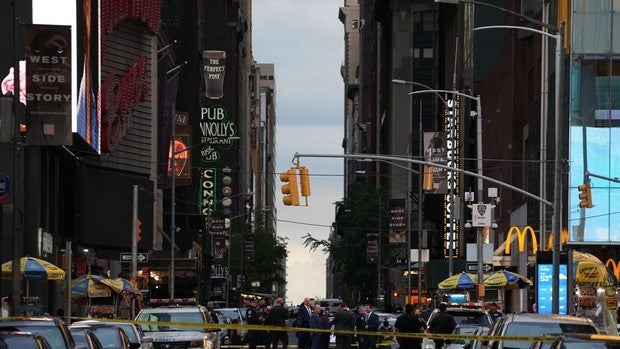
(365, 211)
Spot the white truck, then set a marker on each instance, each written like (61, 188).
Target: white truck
(166, 322)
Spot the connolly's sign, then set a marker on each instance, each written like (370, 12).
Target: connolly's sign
(217, 132)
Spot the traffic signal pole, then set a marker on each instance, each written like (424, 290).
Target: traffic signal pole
(298, 156)
(134, 245)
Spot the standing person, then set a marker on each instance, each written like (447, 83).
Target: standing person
(303, 321)
(409, 322)
(211, 311)
(315, 322)
(494, 312)
(254, 317)
(371, 324)
(277, 317)
(267, 336)
(325, 325)
(442, 323)
(344, 320)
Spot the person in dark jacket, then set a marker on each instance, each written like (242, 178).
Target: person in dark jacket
(277, 317)
(254, 317)
(316, 323)
(442, 323)
(409, 322)
(303, 321)
(344, 320)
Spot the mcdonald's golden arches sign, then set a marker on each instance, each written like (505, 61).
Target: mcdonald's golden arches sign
(521, 236)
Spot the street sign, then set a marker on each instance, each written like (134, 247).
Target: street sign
(142, 257)
(473, 268)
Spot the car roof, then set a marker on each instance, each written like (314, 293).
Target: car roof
(535, 317)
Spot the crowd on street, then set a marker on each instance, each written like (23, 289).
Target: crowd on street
(351, 326)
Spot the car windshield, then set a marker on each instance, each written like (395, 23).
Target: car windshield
(79, 337)
(191, 317)
(228, 315)
(529, 329)
(108, 336)
(52, 334)
(129, 331)
(18, 342)
(466, 330)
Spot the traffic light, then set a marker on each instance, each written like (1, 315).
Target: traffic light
(585, 195)
(304, 178)
(427, 183)
(289, 189)
(138, 230)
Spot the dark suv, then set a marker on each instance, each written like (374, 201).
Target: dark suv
(53, 330)
(535, 325)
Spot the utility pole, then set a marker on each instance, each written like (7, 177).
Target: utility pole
(134, 246)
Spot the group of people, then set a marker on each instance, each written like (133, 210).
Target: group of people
(314, 326)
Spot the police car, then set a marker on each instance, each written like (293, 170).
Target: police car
(178, 323)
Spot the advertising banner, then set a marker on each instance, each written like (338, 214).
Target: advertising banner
(47, 50)
(398, 221)
(435, 150)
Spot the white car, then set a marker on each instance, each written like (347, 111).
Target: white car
(167, 334)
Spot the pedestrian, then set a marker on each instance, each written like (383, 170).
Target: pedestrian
(442, 323)
(315, 323)
(387, 329)
(211, 311)
(254, 317)
(325, 325)
(409, 322)
(277, 317)
(303, 321)
(267, 335)
(344, 320)
(425, 312)
(234, 333)
(494, 312)
(371, 324)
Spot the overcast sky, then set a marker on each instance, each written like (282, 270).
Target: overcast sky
(305, 42)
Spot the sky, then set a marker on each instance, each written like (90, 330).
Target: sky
(305, 42)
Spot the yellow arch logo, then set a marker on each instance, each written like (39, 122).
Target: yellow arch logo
(613, 265)
(521, 236)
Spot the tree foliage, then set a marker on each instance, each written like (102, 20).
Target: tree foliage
(363, 212)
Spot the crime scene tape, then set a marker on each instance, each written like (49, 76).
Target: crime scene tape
(221, 326)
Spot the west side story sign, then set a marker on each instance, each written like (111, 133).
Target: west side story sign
(47, 50)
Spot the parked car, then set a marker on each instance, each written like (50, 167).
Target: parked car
(463, 329)
(85, 339)
(133, 332)
(534, 325)
(477, 343)
(52, 329)
(164, 335)
(109, 336)
(580, 341)
(229, 316)
(21, 340)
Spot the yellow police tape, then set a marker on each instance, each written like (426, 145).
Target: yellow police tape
(219, 326)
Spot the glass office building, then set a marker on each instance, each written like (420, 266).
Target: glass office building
(594, 131)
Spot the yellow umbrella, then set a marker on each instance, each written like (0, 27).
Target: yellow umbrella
(590, 271)
(507, 280)
(463, 281)
(34, 268)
